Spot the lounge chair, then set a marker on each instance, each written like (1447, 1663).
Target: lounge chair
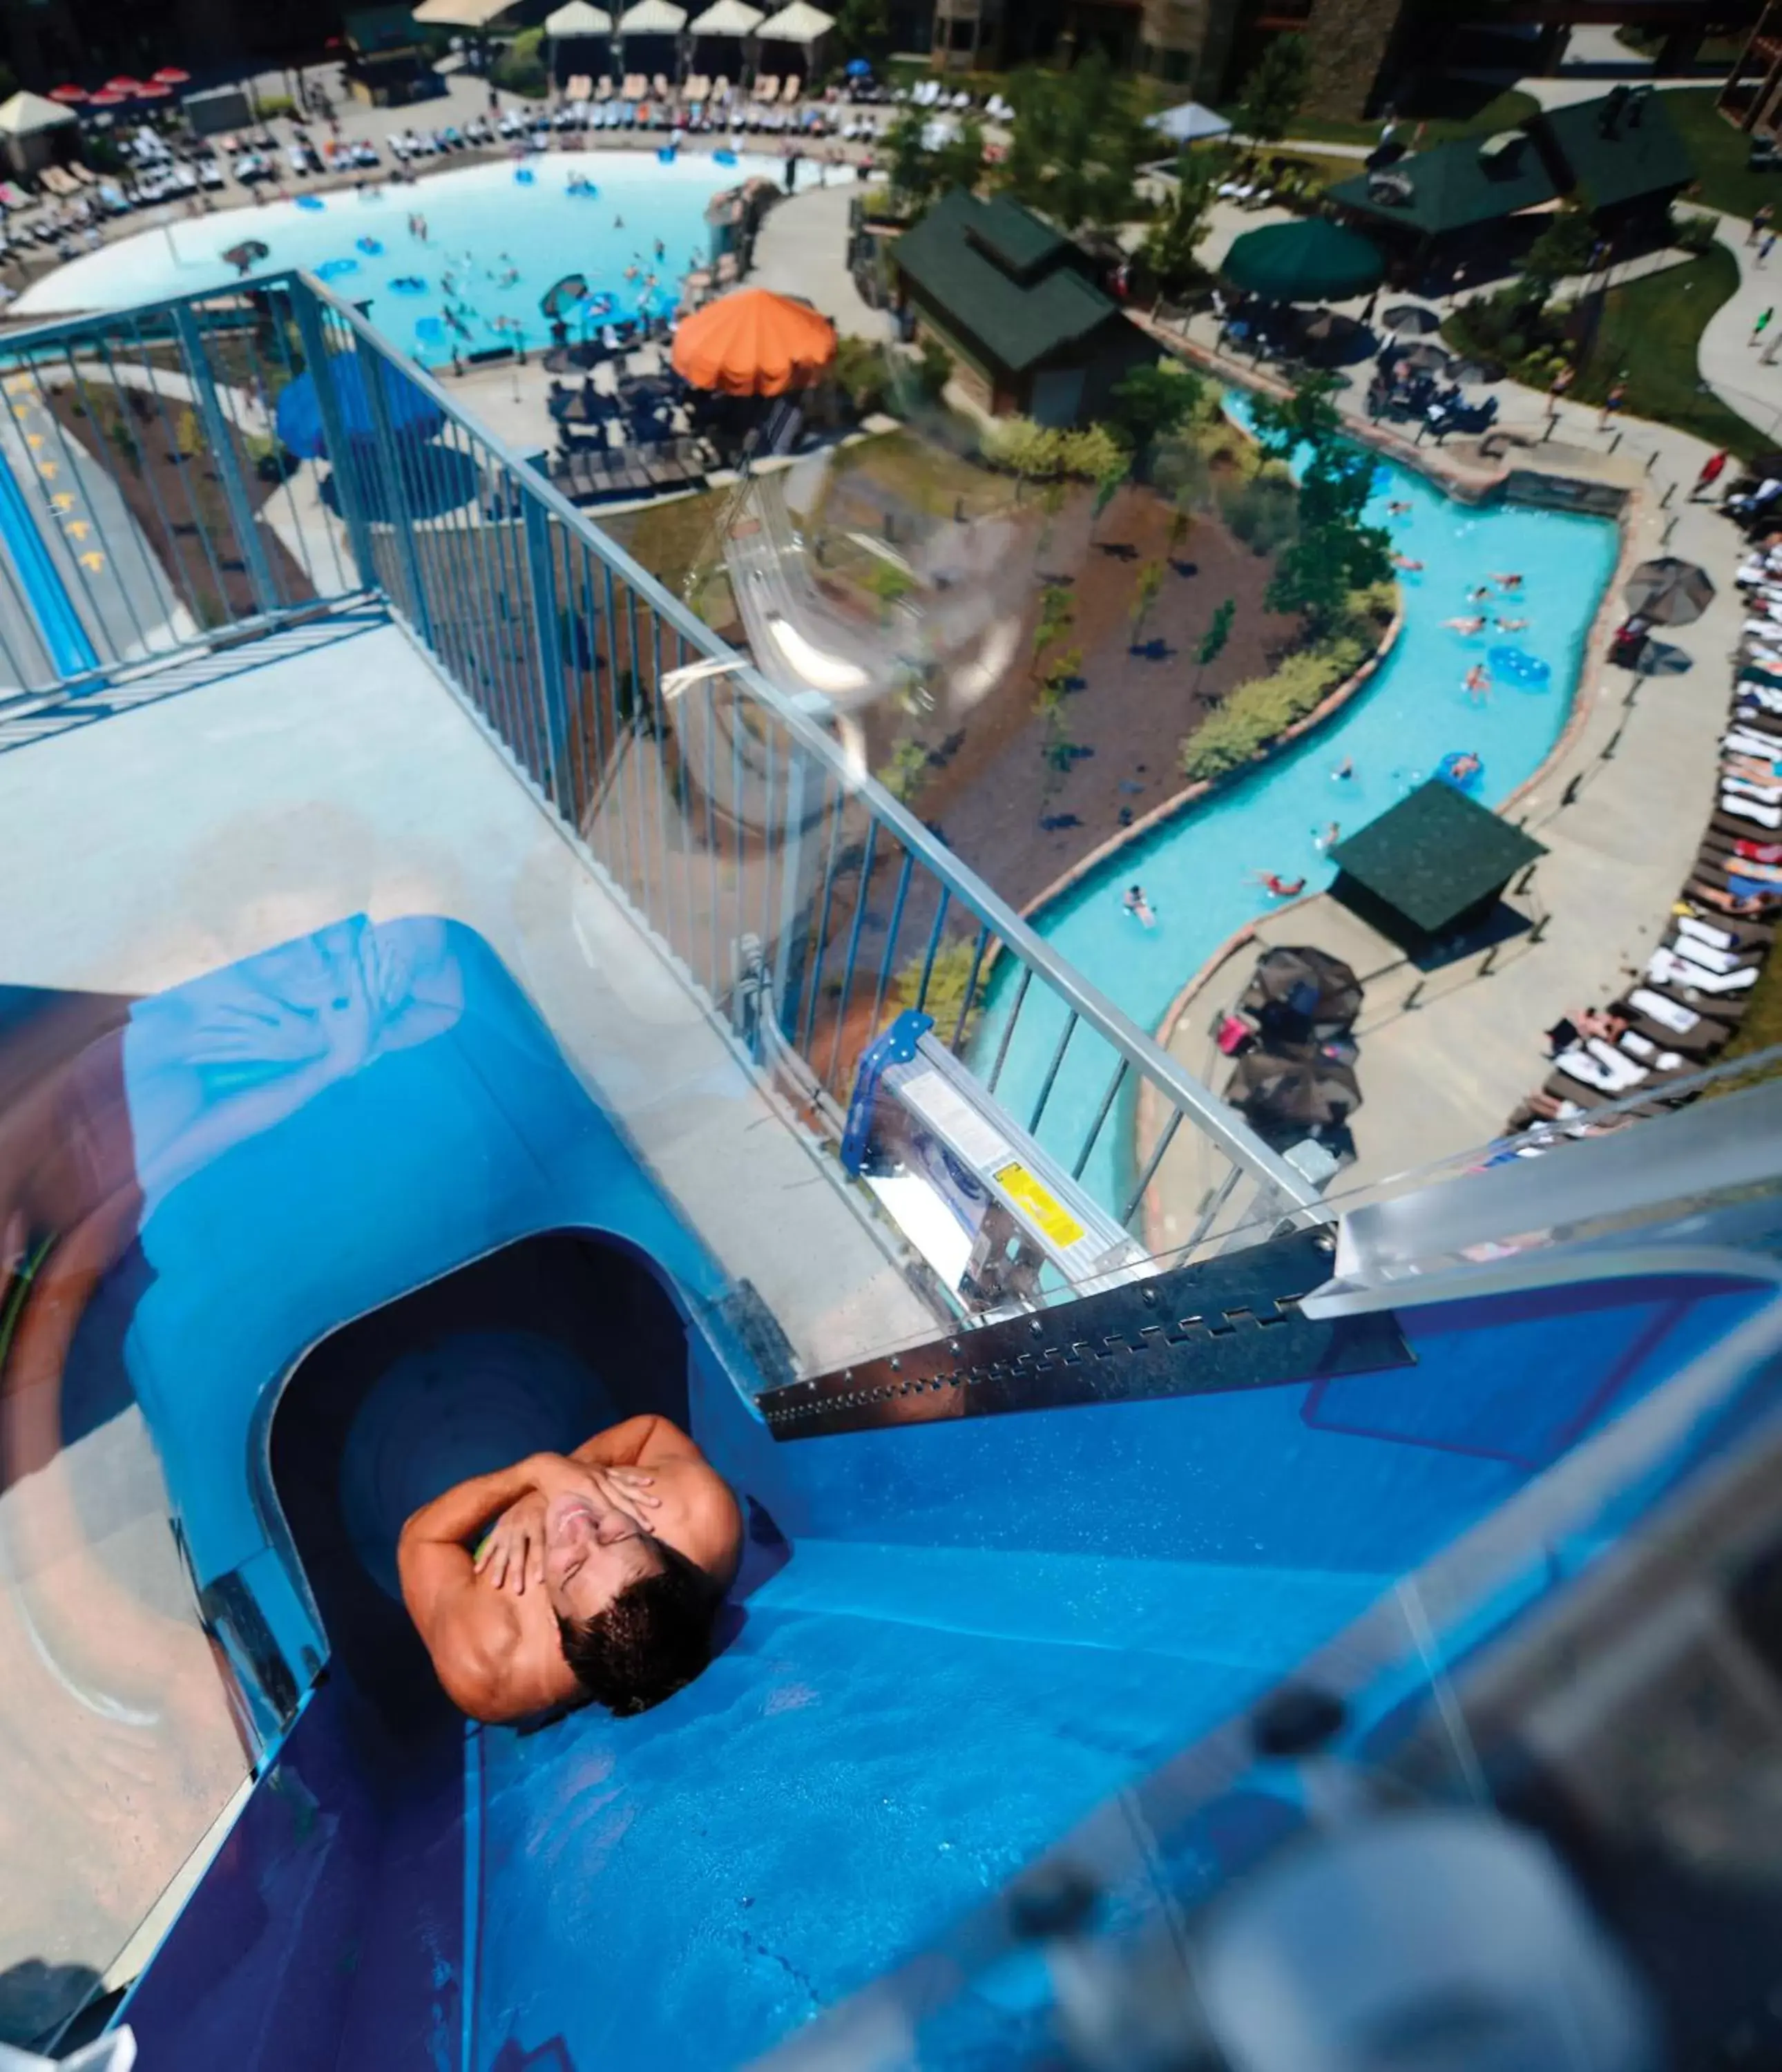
(720, 90)
(1659, 1007)
(661, 88)
(1598, 1065)
(1665, 968)
(766, 88)
(793, 87)
(635, 88)
(603, 87)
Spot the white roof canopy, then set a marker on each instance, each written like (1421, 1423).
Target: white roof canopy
(653, 18)
(461, 13)
(798, 23)
(25, 114)
(729, 17)
(1190, 122)
(578, 20)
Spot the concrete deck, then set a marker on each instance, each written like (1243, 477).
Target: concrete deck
(345, 778)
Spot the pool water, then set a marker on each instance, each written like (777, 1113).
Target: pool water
(1200, 871)
(495, 244)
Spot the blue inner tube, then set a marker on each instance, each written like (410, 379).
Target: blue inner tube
(585, 191)
(723, 158)
(524, 176)
(1516, 667)
(407, 284)
(371, 246)
(1461, 768)
(429, 327)
(310, 201)
(333, 269)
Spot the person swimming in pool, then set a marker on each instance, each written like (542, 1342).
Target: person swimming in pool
(1137, 905)
(1511, 625)
(595, 1575)
(1405, 562)
(1478, 683)
(1345, 770)
(1469, 626)
(1399, 508)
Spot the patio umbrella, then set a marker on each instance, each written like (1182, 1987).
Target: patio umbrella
(123, 84)
(754, 342)
(859, 68)
(1326, 323)
(1308, 261)
(152, 92)
(1294, 1085)
(413, 413)
(70, 96)
(1668, 592)
(562, 296)
(169, 76)
(1410, 320)
(1428, 358)
(1306, 985)
(104, 98)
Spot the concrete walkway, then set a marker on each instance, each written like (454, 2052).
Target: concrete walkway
(1745, 377)
(802, 249)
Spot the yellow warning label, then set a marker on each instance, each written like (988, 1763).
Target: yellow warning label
(1045, 1208)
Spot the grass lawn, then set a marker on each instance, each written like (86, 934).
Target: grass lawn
(1502, 111)
(1719, 151)
(1759, 1030)
(1649, 332)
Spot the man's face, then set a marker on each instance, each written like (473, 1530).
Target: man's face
(593, 1550)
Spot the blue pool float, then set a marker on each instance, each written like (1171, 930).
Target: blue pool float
(666, 154)
(524, 175)
(407, 284)
(335, 269)
(310, 201)
(371, 246)
(429, 328)
(1462, 768)
(1528, 672)
(723, 158)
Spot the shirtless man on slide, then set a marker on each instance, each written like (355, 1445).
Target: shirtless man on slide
(594, 1575)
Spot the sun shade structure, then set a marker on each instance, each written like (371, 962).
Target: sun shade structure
(729, 17)
(1188, 123)
(1411, 320)
(1310, 261)
(1306, 987)
(564, 295)
(798, 23)
(29, 114)
(578, 20)
(1297, 1086)
(1668, 592)
(754, 342)
(461, 13)
(1432, 867)
(413, 413)
(653, 18)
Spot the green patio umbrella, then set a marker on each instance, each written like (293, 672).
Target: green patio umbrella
(1309, 261)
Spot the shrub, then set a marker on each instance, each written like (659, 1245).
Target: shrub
(520, 69)
(1692, 233)
(902, 775)
(948, 983)
(860, 374)
(1093, 453)
(1263, 513)
(1257, 712)
(935, 367)
(1040, 454)
(270, 105)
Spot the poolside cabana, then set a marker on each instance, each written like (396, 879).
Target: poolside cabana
(577, 22)
(1188, 123)
(729, 24)
(30, 127)
(649, 40)
(803, 27)
(1430, 871)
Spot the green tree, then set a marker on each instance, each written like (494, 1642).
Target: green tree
(1334, 552)
(1212, 641)
(954, 994)
(862, 28)
(902, 776)
(1564, 248)
(1181, 525)
(1077, 145)
(1148, 404)
(520, 67)
(1145, 586)
(1107, 487)
(1051, 502)
(1174, 238)
(909, 161)
(1274, 89)
(958, 161)
(1057, 616)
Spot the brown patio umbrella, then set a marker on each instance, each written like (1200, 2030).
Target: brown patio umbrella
(1410, 320)
(1294, 1084)
(1668, 592)
(1308, 985)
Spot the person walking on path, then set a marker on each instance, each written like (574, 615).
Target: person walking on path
(1762, 324)
(1762, 217)
(1712, 469)
(1613, 401)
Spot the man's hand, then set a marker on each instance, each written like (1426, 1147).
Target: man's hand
(513, 1551)
(629, 1489)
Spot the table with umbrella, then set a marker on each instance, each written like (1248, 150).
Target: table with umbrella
(1302, 994)
(1309, 260)
(1411, 320)
(1290, 1034)
(754, 342)
(1663, 592)
(248, 254)
(1293, 1091)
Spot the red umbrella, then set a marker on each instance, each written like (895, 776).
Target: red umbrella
(105, 98)
(123, 85)
(152, 92)
(169, 76)
(70, 96)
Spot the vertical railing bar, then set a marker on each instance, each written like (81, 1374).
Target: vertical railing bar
(660, 788)
(838, 813)
(438, 544)
(736, 817)
(1120, 1070)
(101, 454)
(272, 418)
(486, 550)
(767, 935)
(891, 935)
(257, 517)
(1166, 1138)
(622, 743)
(587, 766)
(646, 901)
(971, 986)
(455, 551)
(1008, 1030)
(934, 945)
(315, 329)
(854, 951)
(305, 560)
(597, 789)
(541, 558)
(20, 615)
(1219, 1196)
(389, 459)
(689, 846)
(713, 897)
(174, 575)
(180, 474)
(1052, 1072)
(226, 460)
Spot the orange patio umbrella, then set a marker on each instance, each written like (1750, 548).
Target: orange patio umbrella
(752, 342)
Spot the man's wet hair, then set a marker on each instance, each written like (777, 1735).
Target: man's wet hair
(650, 1642)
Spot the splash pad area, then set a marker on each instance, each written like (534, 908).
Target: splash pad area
(494, 245)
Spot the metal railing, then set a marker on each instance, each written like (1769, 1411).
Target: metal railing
(800, 900)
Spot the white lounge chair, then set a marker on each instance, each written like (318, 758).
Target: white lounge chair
(1647, 1052)
(1659, 1007)
(1703, 931)
(1665, 968)
(793, 87)
(1748, 809)
(1602, 1067)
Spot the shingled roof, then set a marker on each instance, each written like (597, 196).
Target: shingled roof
(1434, 855)
(1617, 149)
(1004, 277)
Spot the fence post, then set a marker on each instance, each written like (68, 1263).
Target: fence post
(797, 887)
(390, 473)
(228, 460)
(316, 364)
(549, 635)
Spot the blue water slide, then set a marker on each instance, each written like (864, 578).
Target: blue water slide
(386, 1238)
(65, 639)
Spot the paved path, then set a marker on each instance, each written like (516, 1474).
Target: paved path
(802, 249)
(1743, 375)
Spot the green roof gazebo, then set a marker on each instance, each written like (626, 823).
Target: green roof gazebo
(1430, 870)
(1312, 261)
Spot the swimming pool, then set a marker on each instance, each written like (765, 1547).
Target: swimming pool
(1200, 871)
(496, 242)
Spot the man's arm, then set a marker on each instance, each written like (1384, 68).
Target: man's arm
(638, 1442)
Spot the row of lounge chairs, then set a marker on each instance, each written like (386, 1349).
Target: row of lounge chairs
(586, 475)
(1686, 1004)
